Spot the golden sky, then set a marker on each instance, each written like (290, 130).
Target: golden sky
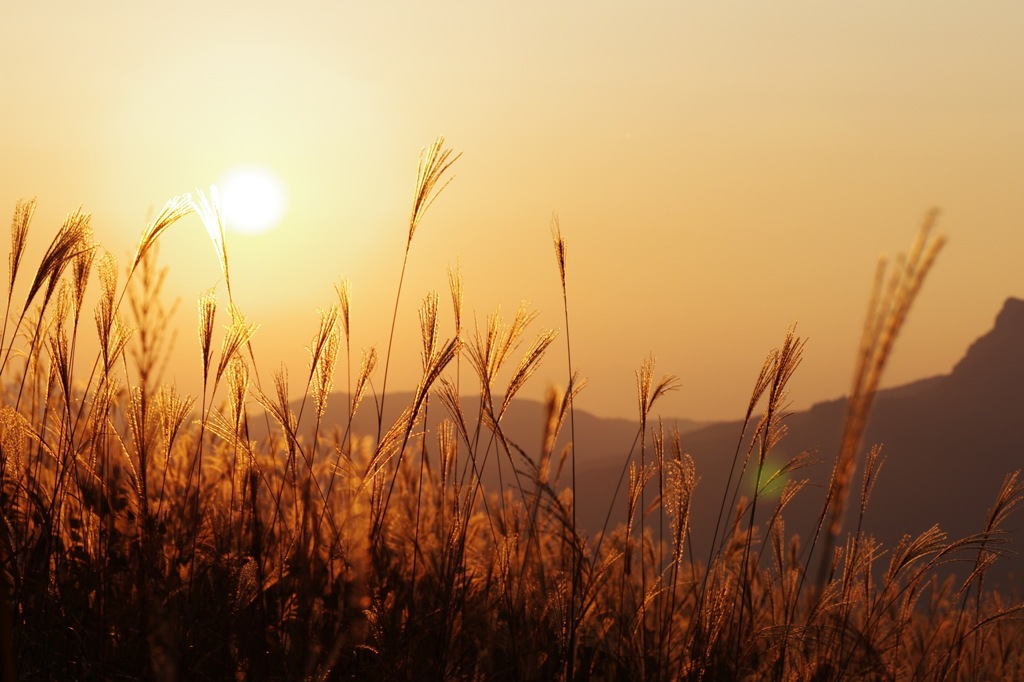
(720, 169)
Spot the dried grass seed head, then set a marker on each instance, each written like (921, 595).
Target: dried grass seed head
(323, 371)
(559, 243)
(82, 267)
(528, 365)
(172, 408)
(119, 333)
(344, 290)
(435, 365)
(455, 286)
(647, 392)
(58, 341)
(208, 209)
(174, 210)
(207, 313)
(448, 392)
(238, 335)
(279, 408)
(68, 242)
(447, 447)
(367, 365)
(434, 161)
(428, 327)
(107, 271)
(238, 387)
(23, 212)
(325, 329)
(489, 351)
(888, 307)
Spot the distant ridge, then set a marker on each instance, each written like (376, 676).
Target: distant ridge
(523, 423)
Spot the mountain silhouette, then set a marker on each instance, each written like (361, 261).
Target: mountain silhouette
(948, 442)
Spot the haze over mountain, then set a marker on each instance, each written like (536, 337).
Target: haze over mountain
(948, 442)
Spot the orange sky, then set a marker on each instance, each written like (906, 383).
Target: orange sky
(721, 170)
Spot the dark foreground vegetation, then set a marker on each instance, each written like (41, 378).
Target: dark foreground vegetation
(146, 534)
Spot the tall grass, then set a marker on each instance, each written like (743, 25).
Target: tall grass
(147, 534)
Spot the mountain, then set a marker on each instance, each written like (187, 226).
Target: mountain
(522, 424)
(948, 442)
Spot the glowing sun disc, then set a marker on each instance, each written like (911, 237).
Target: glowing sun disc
(251, 200)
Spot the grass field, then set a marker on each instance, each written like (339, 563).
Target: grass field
(146, 535)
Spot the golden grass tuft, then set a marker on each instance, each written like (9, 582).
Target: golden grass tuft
(435, 160)
(207, 313)
(174, 210)
(239, 332)
(142, 536)
(23, 212)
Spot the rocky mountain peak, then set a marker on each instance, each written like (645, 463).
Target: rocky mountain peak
(1001, 349)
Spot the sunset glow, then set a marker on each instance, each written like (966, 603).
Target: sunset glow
(698, 158)
(512, 341)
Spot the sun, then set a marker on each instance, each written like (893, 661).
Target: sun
(251, 200)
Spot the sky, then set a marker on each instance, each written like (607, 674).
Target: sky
(720, 171)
